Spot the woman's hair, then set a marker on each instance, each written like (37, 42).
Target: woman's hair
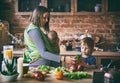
(37, 16)
(88, 41)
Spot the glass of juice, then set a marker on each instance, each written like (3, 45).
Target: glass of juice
(8, 52)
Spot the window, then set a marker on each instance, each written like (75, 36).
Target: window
(89, 5)
(27, 5)
(113, 5)
(59, 5)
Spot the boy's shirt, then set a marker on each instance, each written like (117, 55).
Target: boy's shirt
(90, 60)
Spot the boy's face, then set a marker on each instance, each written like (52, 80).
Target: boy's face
(86, 50)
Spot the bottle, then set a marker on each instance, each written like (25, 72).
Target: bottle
(3, 67)
(101, 68)
(20, 66)
(97, 8)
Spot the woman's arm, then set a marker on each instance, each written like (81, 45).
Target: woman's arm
(37, 39)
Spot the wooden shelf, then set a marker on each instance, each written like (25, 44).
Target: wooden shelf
(23, 13)
(73, 8)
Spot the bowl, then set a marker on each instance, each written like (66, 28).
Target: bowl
(25, 68)
(9, 77)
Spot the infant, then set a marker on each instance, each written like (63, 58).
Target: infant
(54, 41)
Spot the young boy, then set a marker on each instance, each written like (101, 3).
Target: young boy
(87, 48)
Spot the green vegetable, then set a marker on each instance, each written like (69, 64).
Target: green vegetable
(78, 75)
(44, 68)
(58, 69)
(77, 57)
(61, 69)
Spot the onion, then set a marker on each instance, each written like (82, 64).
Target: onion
(39, 76)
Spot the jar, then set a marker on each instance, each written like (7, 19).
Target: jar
(97, 7)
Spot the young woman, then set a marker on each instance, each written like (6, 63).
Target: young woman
(35, 36)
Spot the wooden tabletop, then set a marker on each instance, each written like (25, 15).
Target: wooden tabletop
(51, 79)
(19, 52)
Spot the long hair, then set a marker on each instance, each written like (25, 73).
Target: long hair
(37, 16)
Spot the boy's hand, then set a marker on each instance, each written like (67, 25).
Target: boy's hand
(70, 59)
(73, 60)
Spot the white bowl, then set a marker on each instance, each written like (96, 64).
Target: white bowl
(9, 78)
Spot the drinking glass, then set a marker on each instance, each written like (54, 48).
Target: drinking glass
(8, 52)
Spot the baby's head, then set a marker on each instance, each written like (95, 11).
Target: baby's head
(87, 46)
(53, 36)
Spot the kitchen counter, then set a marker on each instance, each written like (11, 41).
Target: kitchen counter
(19, 52)
(52, 79)
(48, 80)
(95, 53)
(99, 55)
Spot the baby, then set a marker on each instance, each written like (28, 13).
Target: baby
(54, 41)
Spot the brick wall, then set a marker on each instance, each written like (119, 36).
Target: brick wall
(106, 26)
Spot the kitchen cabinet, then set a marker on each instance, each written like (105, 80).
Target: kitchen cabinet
(59, 5)
(113, 7)
(69, 7)
(89, 6)
(25, 7)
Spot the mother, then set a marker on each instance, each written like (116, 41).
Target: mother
(39, 51)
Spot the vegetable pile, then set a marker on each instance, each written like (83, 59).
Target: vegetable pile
(59, 73)
(70, 74)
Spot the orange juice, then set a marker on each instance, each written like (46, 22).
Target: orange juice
(8, 54)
